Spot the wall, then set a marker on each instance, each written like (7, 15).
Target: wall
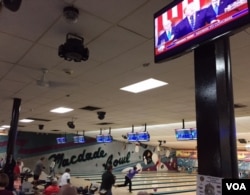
(90, 156)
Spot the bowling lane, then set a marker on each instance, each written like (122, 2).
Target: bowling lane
(162, 182)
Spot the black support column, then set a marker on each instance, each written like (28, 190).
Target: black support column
(216, 144)
(10, 161)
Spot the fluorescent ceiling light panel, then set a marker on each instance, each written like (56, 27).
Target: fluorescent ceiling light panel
(144, 85)
(1, 128)
(61, 110)
(26, 120)
(5, 126)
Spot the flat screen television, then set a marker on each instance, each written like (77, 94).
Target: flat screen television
(79, 139)
(143, 136)
(132, 137)
(206, 25)
(99, 138)
(183, 134)
(61, 140)
(75, 138)
(107, 138)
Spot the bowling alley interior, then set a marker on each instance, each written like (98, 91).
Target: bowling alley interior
(67, 68)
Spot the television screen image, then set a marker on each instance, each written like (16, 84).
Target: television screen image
(185, 24)
(99, 138)
(75, 138)
(183, 134)
(61, 140)
(194, 133)
(143, 136)
(107, 138)
(81, 139)
(132, 137)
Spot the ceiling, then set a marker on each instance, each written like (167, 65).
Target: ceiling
(119, 36)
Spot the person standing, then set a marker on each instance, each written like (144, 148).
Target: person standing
(218, 7)
(166, 35)
(52, 168)
(194, 19)
(21, 164)
(65, 178)
(39, 166)
(108, 180)
(17, 172)
(128, 178)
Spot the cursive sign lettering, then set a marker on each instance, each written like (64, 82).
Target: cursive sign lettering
(63, 162)
(119, 161)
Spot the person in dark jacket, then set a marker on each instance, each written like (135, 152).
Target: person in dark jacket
(108, 180)
(193, 20)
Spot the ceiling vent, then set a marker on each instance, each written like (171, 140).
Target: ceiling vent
(239, 106)
(90, 108)
(73, 49)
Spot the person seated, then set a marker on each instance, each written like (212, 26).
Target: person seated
(93, 188)
(52, 189)
(67, 189)
(4, 182)
(144, 193)
(82, 190)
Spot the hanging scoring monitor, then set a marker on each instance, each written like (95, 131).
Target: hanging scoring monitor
(79, 139)
(183, 25)
(75, 138)
(99, 138)
(143, 136)
(61, 140)
(183, 134)
(194, 133)
(132, 137)
(107, 138)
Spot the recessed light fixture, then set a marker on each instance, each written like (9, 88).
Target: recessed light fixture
(26, 120)
(61, 110)
(144, 85)
(5, 126)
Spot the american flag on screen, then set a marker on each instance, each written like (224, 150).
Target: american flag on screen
(176, 13)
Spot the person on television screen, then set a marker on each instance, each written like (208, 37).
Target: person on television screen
(166, 35)
(193, 20)
(218, 7)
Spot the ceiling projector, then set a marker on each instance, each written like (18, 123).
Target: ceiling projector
(73, 49)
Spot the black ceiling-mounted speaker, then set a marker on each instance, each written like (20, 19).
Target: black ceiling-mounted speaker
(101, 115)
(71, 14)
(12, 5)
(242, 141)
(71, 124)
(73, 49)
(40, 126)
